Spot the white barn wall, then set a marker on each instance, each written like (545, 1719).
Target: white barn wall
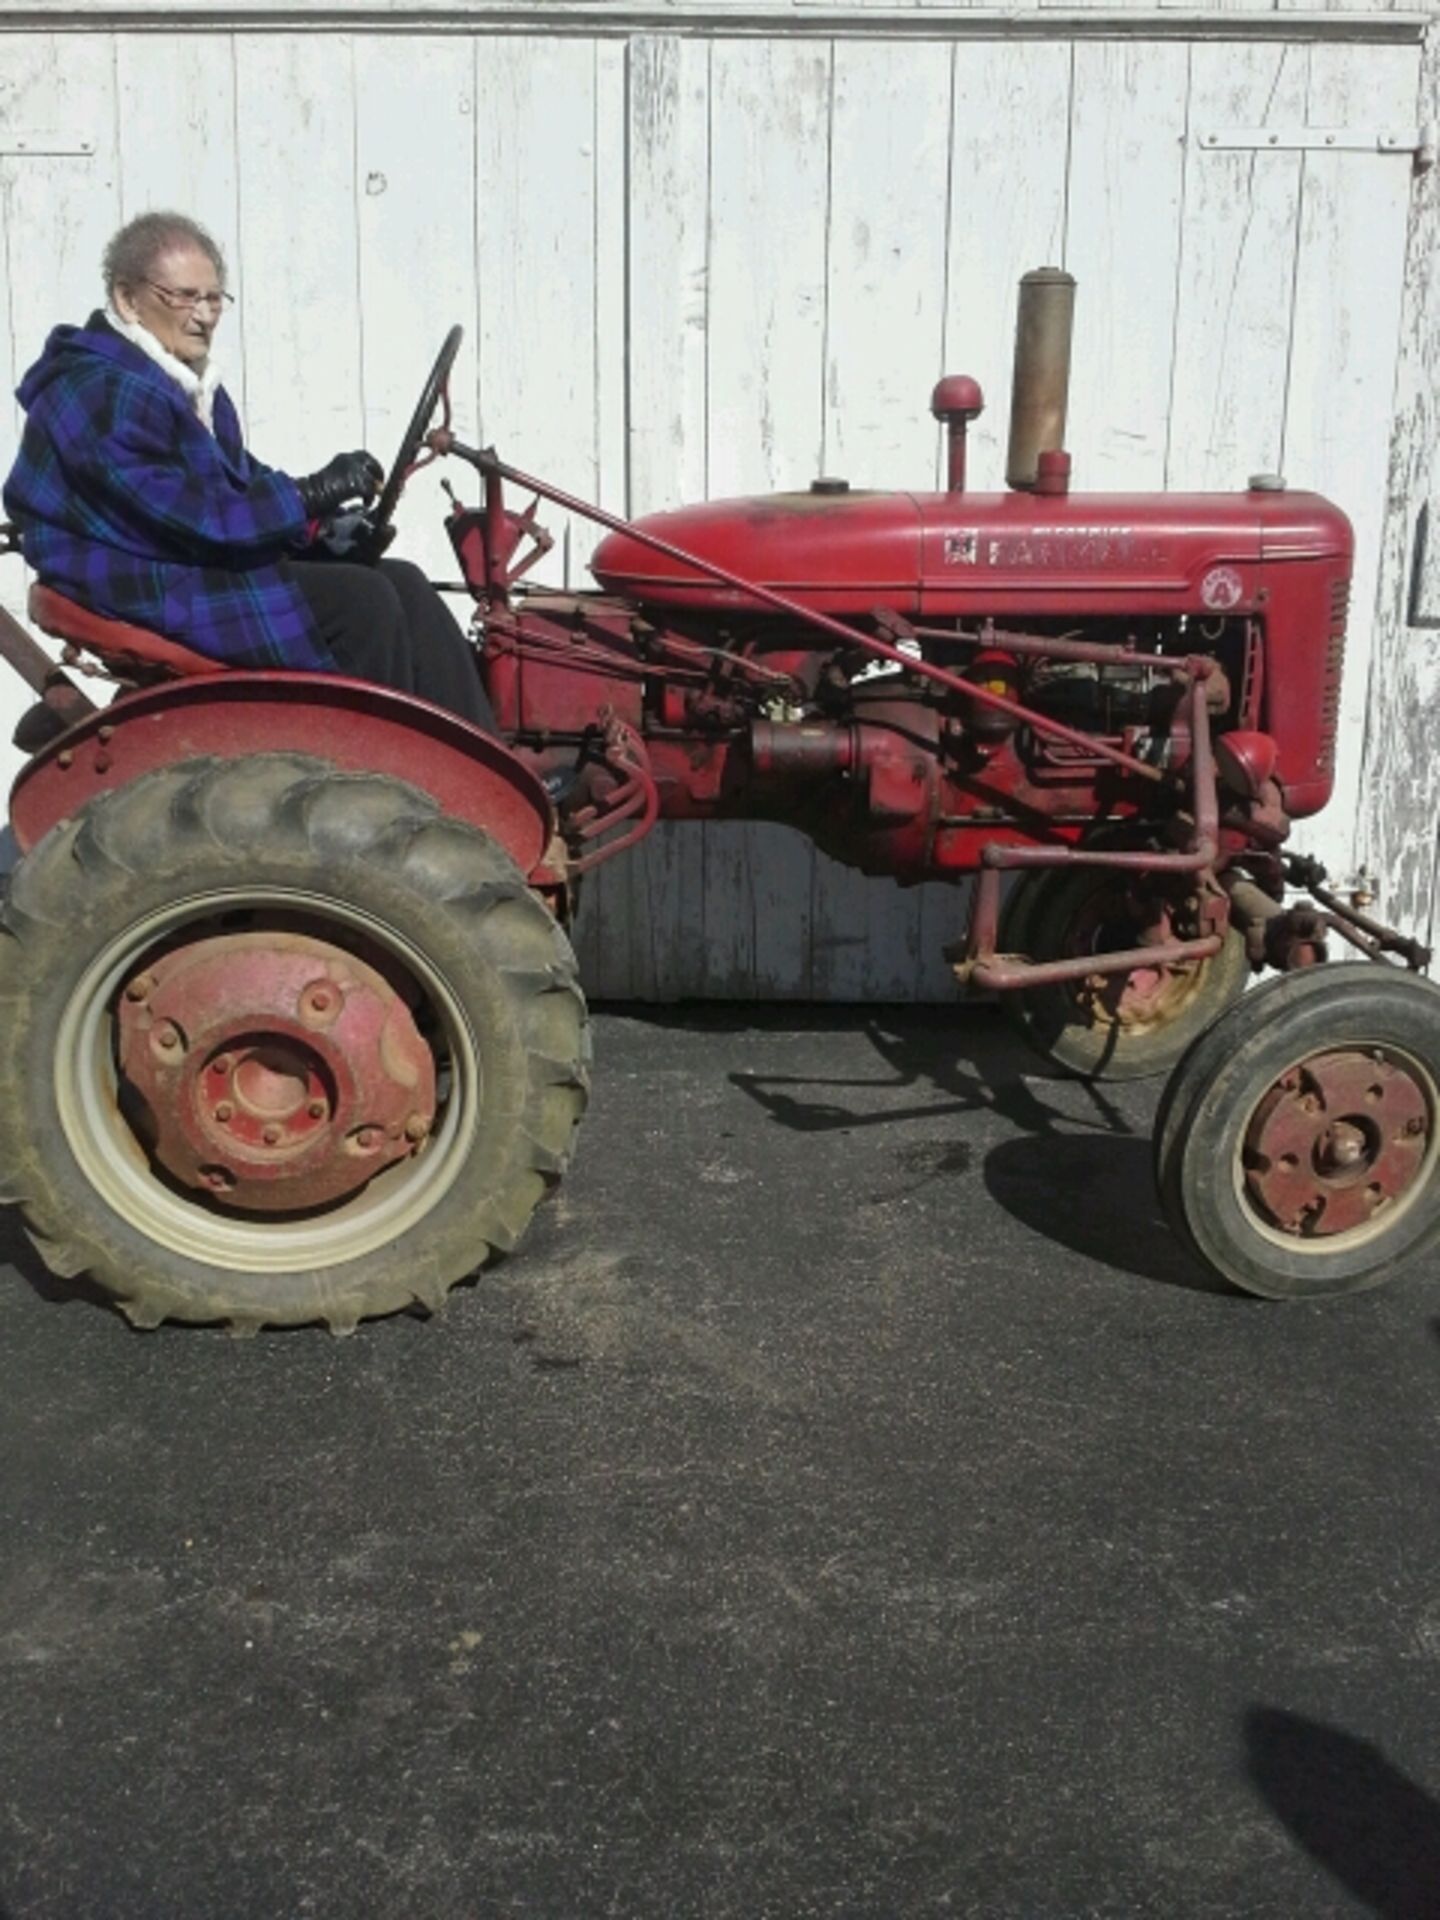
(701, 262)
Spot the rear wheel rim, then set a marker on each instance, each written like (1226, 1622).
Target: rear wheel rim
(193, 1228)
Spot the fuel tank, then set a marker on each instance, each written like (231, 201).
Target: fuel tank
(931, 555)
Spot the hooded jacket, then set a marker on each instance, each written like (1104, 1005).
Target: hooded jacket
(127, 503)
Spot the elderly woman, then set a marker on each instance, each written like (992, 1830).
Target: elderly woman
(134, 494)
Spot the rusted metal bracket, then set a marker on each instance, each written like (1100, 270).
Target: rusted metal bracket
(635, 797)
(1369, 936)
(1417, 143)
(57, 691)
(44, 143)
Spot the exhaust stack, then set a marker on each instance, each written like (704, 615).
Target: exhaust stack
(1041, 391)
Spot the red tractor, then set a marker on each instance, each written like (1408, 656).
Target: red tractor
(292, 1027)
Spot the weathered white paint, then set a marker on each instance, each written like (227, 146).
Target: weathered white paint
(1400, 783)
(1127, 127)
(1345, 337)
(1237, 272)
(640, 929)
(299, 278)
(58, 212)
(1068, 18)
(698, 261)
(414, 196)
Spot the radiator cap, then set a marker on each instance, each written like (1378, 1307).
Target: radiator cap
(827, 483)
(1267, 483)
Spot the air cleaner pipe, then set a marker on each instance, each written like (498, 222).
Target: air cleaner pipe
(1041, 391)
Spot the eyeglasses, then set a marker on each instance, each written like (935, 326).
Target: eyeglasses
(188, 299)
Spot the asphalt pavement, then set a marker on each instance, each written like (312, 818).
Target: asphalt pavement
(846, 1502)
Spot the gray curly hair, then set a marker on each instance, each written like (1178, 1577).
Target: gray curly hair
(131, 255)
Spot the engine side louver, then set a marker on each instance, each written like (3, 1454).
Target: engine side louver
(1334, 667)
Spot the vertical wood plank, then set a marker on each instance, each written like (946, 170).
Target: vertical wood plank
(647, 908)
(770, 121)
(668, 290)
(415, 178)
(58, 212)
(1237, 268)
(298, 253)
(184, 156)
(770, 114)
(885, 292)
(1400, 778)
(184, 160)
(611, 221)
(890, 184)
(1122, 242)
(1007, 215)
(535, 215)
(1348, 287)
(1010, 118)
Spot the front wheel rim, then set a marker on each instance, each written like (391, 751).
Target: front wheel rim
(1338, 1149)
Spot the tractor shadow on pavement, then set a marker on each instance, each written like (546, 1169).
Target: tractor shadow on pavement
(1073, 1164)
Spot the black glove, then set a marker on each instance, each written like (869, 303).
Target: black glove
(349, 476)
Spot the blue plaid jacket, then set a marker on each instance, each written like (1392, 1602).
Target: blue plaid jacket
(126, 503)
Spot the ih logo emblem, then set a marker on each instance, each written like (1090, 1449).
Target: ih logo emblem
(1221, 589)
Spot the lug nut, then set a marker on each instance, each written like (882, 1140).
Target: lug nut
(316, 1109)
(416, 1127)
(221, 1064)
(141, 987)
(271, 1135)
(220, 1178)
(368, 1139)
(320, 1003)
(165, 1037)
(224, 1111)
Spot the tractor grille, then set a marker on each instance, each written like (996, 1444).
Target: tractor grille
(1334, 667)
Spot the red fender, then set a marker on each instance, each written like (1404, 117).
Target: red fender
(357, 727)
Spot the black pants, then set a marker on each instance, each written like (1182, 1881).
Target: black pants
(386, 623)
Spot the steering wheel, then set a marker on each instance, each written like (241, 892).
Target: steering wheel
(435, 388)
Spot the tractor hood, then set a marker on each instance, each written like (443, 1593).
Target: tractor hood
(929, 555)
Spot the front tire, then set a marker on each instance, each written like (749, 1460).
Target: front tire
(215, 875)
(1297, 1145)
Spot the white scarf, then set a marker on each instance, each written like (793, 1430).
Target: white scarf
(199, 388)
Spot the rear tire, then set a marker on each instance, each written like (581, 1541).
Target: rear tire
(366, 866)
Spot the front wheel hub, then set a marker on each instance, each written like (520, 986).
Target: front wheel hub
(1337, 1141)
(272, 1070)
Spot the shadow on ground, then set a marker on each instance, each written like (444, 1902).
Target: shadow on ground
(1074, 1167)
(1364, 1820)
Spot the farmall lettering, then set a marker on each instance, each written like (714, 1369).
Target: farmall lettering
(1057, 549)
(1122, 702)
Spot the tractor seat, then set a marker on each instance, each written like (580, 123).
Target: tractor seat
(129, 654)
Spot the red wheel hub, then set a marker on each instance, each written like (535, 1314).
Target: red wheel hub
(276, 1071)
(1336, 1140)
